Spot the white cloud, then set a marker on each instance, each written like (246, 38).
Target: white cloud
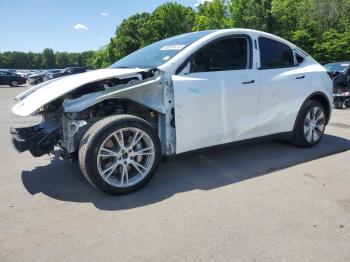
(104, 14)
(80, 27)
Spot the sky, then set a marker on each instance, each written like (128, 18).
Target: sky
(66, 25)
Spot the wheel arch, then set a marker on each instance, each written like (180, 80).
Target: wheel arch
(320, 97)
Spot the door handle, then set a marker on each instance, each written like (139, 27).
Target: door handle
(248, 82)
(300, 77)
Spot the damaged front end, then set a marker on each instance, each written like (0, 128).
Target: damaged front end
(87, 98)
(38, 139)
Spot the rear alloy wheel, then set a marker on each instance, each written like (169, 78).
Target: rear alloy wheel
(119, 154)
(310, 125)
(14, 83)
(314, 124)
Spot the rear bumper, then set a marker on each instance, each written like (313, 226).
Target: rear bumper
(38, 140)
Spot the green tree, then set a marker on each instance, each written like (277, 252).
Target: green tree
(167, 20)
(334, 46)
(212, 15)
(254, 14)
(100, 59)
(127, 38)
(49, 60)
(62, 59)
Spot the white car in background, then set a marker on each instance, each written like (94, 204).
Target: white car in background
(184, 93)
(22, 73)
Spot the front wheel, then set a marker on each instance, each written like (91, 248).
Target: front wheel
(310, 125)
(119, 154)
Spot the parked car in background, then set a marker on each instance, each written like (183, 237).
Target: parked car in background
(23, 73)
(67, 71)
(340, 72)
(32, 72)
(338, 67)
(183, 93)
(42, 76)
(11, 79)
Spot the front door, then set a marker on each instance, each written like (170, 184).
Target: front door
(216, 98)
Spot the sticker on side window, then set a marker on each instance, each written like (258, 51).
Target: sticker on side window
(172, 47)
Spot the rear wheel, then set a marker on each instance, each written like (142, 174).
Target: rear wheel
(14, 83)
(338, 104)
(310, 124)
(119, 154)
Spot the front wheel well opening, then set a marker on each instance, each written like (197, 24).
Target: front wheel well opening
(321, 98)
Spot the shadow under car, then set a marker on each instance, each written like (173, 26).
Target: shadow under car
(207, 170)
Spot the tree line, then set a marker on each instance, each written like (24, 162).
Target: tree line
(45, 60)
(320, 27)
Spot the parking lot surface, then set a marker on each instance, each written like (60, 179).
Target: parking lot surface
(258, 202)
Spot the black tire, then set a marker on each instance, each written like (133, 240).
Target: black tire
(298, 138)
(38, 81)
(14, 83)
(338, 104)
(94, 138)
(347, 103)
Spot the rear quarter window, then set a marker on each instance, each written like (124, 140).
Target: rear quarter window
(274, 54)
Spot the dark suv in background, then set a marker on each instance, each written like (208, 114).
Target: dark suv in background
(340, 71)
(68, 71)
(41, 76)
(11, 79)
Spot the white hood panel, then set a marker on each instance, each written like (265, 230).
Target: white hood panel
(39, 95)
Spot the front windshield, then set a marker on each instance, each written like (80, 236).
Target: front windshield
(159, 52)
(337, 67)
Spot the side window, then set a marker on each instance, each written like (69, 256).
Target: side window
(299, 58)
(222, 55)
(274, 54)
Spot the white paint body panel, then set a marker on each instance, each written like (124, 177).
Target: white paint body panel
(208, 108)
(212, 109)
(283, 91)
(39, 95)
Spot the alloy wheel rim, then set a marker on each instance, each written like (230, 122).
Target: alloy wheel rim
(125, 157)
(314, 124)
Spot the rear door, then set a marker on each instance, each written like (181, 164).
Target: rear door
(216, 95)
(282, 80)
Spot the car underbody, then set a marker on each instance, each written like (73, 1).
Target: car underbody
(147, 94)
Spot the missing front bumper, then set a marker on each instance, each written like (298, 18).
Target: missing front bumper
(38, 140)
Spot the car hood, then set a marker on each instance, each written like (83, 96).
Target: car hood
(38, 74)
(39, 95)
